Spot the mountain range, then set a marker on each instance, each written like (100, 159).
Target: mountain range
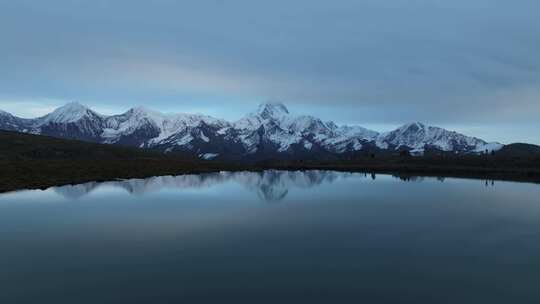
(268, 132)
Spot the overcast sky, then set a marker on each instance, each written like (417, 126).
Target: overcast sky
(469, 65)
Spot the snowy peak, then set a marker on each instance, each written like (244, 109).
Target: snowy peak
(357, 131)
(12, 123)
(418, 137)
(272, 110)
(412, 127)
(269, 112)
(148, 128)
(171, 119)
(408, 133)
(140, 110)
(140, 113)
(67, 113)
(272, 124)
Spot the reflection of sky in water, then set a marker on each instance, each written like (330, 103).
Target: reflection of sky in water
(208, 237)
(269, 186)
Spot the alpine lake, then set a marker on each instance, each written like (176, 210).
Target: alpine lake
(272, 237)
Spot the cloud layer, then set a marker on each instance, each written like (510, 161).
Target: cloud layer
(463, 63)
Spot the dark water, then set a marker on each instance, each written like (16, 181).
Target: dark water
(273, 237)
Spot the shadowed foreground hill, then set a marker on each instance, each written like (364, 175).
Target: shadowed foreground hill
(35, 161)
(20, 146)
(520, 150)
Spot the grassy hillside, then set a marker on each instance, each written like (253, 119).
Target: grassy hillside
(20, 146)
(520, 150)
(35, 161)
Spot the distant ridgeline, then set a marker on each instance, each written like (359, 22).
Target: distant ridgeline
(269, 132)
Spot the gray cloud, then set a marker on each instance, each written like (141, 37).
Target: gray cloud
(460, 62)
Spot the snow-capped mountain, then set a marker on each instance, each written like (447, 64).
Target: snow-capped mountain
(73, 120)
(273, 127)
(269, 132)
(146, 128)
(418, 137)
(12, 123)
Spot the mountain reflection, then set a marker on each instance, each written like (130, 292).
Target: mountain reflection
(270, 186)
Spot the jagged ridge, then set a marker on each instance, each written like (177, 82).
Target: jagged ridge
(270, 131)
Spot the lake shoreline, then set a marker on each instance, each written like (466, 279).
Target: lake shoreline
(37, 162)
(41, 174)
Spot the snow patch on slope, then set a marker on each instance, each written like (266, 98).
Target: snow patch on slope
(208, 156)
(489, 147)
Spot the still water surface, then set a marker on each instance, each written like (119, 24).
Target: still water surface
(272, 237)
